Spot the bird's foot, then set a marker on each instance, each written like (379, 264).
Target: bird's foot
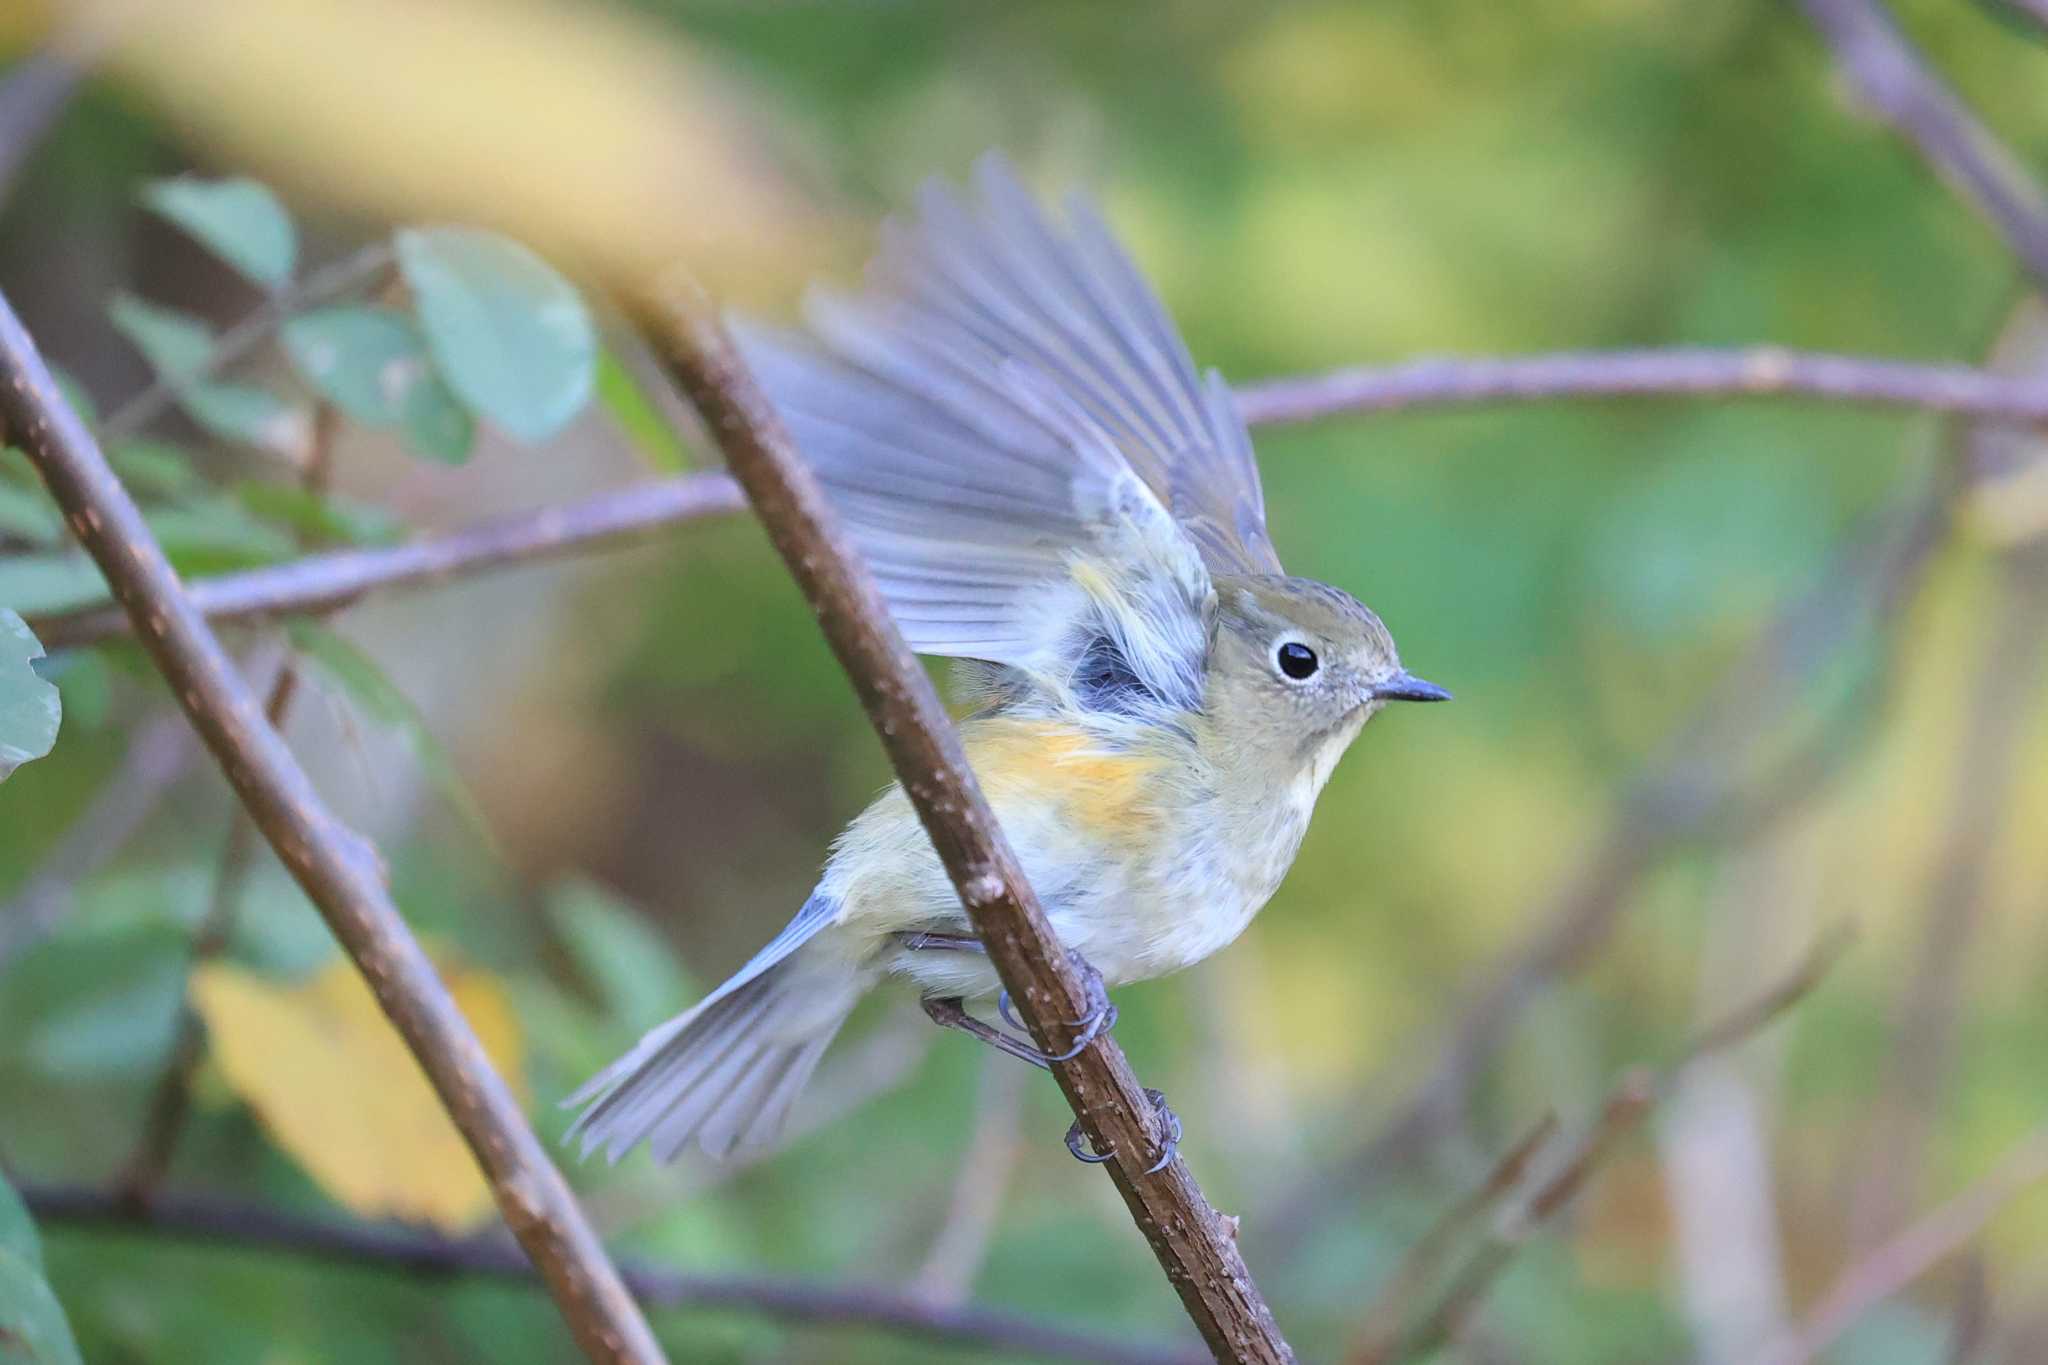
(1101, 1013)
(1169, 1132)
(951, 1011)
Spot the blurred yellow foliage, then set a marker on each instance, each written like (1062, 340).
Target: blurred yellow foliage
(336, 1087)
(592, 135)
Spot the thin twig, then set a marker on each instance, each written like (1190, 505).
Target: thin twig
(1690, 791)
(161, 750)
(328, 860)
(1912, 1253)
(323, 582)
(1626, 1106)
(416, 1252)
(355, 271)
(1380, 1332)
(1748, 372)
(1997, 710)
(1195, 1245)
(326, 581)
(171, 1099)
(1893, 78)
(1620, 1114)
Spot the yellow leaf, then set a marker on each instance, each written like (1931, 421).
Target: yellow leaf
(335, 1086)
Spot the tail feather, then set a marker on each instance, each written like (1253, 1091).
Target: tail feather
(726, 1073)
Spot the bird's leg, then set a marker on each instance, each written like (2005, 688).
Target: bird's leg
(1169, 1128)
(951, 1011)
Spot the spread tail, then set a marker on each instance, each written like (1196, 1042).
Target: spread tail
(727, 1072)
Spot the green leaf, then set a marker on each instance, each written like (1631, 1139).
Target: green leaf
(153, 468)
(27, 514)
(364, 682)
(364, 359)
(632, 969)
(511, 335)
(29, 708)
(17, 1229)
(436, 425)
(374, 365)
(238, 220)
(216, 534)
(55, 580)
(251, 414)
(32, 1326)
(321, 516)
(177, 346)
(99, 1000)
(85, 682)
(653, 435)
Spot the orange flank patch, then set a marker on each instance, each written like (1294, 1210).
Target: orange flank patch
(1046, 760)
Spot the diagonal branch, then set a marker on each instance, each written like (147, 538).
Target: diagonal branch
(327, 859)
(1893, 78)
(1626, 1106)
(323, 582)
(415, 1252)
(1696, 789)
(1912, 1253)
(1196, 1245)
(602, 521)
(1682, 372)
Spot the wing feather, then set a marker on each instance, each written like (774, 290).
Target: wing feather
(1014, 433)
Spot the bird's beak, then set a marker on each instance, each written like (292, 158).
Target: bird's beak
(1405, 686)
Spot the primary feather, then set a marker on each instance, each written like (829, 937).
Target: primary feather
(1017, 439)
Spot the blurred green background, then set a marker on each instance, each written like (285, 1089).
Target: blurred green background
(659, 748)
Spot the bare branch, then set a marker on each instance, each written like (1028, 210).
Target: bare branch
(328, 860)
(603, 521)
(1748, 1020)
(1754, 372)
(1912, 1253)
(170, 1102)
(414, 1252)
(1626, 1106)
(1195, 1245)
(1997, 709)
(324, 582)
(1692, 790)
(1380, 1333)
(1896, 81)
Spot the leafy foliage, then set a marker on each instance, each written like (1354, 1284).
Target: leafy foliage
(29, 707)
(33, 1330)
(373, 364)
(510, 333)
(239, 220)
(179, 347)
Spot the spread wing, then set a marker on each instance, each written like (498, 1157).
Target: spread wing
(1015, 435)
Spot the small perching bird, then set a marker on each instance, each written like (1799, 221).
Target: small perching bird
(1014, 434)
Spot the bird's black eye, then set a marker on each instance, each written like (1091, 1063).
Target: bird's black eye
(1297, 660)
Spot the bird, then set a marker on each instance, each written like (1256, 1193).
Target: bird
(1011, 429)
